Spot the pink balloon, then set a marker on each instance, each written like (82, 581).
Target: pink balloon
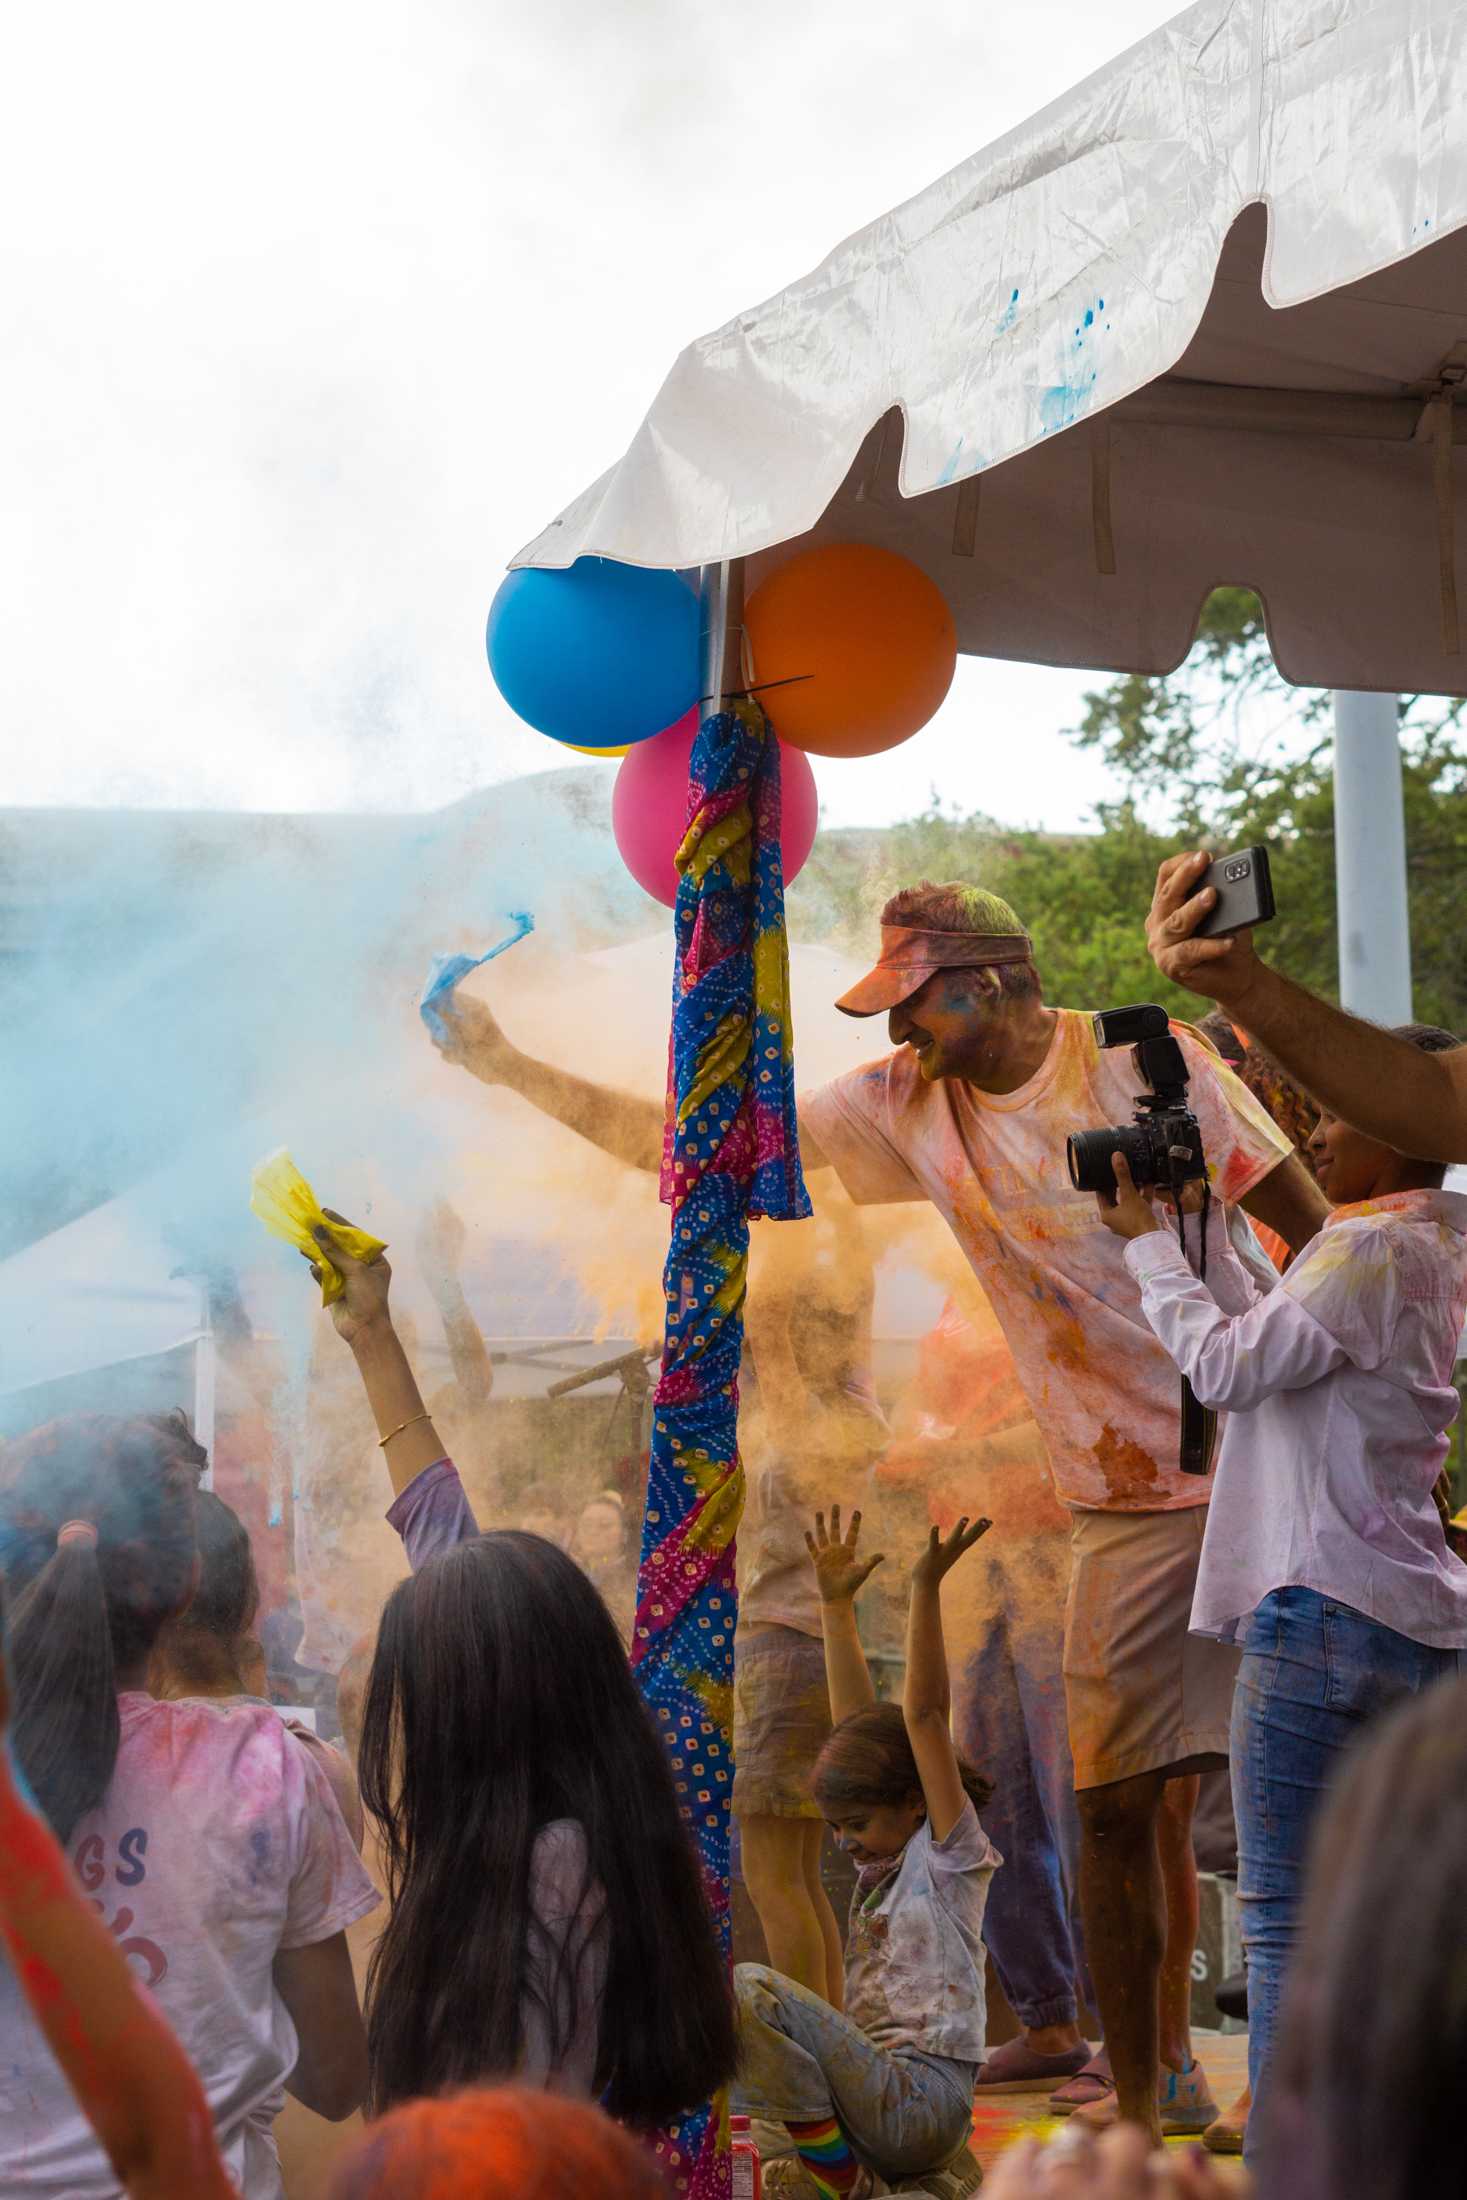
(649, 807)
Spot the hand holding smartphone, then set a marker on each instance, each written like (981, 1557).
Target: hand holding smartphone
(1244, 891)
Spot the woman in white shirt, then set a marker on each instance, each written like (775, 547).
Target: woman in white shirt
(1325, 1554)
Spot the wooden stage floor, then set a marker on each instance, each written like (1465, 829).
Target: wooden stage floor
(999, 2118)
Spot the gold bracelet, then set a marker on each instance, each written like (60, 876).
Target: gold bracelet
(383, 1441)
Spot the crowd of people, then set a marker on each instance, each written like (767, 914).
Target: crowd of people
(1182, 1511)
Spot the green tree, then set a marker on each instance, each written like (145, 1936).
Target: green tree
(1222, 752)
(1219, 753)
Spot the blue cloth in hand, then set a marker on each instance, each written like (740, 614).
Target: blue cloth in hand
(447, 970)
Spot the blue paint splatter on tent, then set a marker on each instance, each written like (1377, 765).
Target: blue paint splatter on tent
(1009, 314)
(950, 468)
(1063, 403)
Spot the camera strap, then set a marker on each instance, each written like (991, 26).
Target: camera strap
(1199, 1432)
(1199, 1423)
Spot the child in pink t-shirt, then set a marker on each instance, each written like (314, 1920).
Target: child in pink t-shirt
(206, 1837)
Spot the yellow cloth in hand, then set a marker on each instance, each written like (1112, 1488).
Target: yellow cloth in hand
(287, 1206)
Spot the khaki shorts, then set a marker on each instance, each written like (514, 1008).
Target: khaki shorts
(1141, 1693)
(781, 1722)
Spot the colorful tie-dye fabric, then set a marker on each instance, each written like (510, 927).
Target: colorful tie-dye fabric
(731, 1152)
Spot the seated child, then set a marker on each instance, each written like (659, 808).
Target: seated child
(1324, 1554)
(885, 2090)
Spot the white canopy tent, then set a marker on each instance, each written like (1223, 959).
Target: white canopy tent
(104, 1291)
(1201, 321)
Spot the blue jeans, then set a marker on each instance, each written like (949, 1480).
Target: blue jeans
(1314, 1674)
(1009, 1720)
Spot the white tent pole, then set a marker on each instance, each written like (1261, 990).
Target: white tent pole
(1370, 859)
(721, 630)
(205, 1372)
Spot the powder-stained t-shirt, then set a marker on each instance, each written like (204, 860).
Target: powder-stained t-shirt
(217, 1844)
(914, 1950)
(1105, 1394)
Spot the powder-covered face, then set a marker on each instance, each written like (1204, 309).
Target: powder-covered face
(949, 1023)
(870, 1832)
(601, 1530)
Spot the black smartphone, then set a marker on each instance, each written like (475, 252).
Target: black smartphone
(1244, 893)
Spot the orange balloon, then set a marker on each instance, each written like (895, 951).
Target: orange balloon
(591, 752)
(873, 637)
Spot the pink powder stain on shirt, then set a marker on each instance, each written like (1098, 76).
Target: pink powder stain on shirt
(1104, 1392)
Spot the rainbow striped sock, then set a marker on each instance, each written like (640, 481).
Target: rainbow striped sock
(826, 2153)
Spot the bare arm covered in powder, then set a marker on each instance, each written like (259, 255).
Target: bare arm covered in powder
(1384, 1086)
(1288, 1202)
(363, 1321)
(926, 1691)
(440, 1256)
(841, 1575)
(625, 1125)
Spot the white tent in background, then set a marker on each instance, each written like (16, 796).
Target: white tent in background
(105, 1291)
(1203, 320)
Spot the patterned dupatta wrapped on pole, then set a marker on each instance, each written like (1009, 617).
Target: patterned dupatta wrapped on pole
(731, 1152)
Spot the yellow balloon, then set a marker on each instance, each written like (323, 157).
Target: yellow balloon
(594, 752)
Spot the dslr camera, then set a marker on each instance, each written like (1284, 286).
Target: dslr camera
(1163, 1141)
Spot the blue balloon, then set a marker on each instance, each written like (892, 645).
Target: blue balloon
(601, 654)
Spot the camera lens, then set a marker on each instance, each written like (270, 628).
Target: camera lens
(1089, 1156)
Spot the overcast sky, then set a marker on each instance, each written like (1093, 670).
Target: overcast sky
(316, 313)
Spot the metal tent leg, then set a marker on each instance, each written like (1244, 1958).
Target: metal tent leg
(1370, 859)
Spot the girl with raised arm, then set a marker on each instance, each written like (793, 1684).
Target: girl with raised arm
(885, 2090)
(548, 1922)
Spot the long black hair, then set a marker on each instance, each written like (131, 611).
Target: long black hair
(500, 1700)
(81, 1610)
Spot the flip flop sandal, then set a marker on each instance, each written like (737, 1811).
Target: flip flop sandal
(1089, 2085)
(1018, 2068)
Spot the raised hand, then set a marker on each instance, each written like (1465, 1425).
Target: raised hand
(366, 1284)
(838, 1570)
(1220, 970)
(944, 1551)
(472, 1038)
